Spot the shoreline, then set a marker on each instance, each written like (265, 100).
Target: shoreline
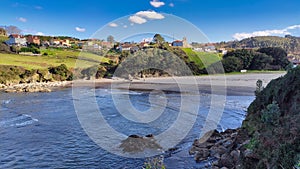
(232, 84)
(34, 87)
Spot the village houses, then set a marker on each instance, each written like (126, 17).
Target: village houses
(16, 39)
(33, 40)
(181, 43)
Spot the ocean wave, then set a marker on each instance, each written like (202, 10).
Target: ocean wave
(6, 101)
(19, 121)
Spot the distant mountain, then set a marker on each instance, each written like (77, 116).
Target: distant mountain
(290, 43)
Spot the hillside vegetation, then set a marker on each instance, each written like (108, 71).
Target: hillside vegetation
(290, 44)
(270, 134)
(273, 124)
(271, 58)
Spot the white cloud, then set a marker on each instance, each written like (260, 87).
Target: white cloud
(78, 29)
(147, 39)
(125, 26)
(21, 19)
(150, 15)
(137, 19)
(285, 31)
(293, 27)
(113, 25)
(40, 33)
(157, 3)
(171, 5)
(142, 16)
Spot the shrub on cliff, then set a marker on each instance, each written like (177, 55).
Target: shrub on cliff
(96, 72)
(273, 121)
(61, 73)
(10, 74)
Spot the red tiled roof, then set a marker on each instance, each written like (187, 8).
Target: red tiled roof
(126, 46)
(177, 41)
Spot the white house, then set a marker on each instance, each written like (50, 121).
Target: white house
(223, 51)
(210, 49)
(16, 39)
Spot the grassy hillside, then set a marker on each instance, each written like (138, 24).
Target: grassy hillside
(201, 57)
(54, 58)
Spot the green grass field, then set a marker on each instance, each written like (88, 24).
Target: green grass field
(201, 57)
(55, 57)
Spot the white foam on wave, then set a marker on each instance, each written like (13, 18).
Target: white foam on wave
(23, 124)
(19, 121)
(126, 93)
(6, 101)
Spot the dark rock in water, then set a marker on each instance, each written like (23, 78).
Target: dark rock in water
(136, 144)
(218, 146)
(150, 135)
(202, 154)
(222, 146)
(134, 136)
(173, 149)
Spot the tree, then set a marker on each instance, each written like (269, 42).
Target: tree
(260, 61)
(279, 56)
(12, 29)
(158, 39)
(244, 55)
(110, 39)
(232, 64)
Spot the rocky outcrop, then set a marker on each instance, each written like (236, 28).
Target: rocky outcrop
(32, 87)
(223, 148)
(136, 144)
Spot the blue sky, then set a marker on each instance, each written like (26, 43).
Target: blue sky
(219, 20)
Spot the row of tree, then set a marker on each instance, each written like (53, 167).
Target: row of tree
(271, 58)
(174, 61)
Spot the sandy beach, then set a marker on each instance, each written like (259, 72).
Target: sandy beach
(239, 84)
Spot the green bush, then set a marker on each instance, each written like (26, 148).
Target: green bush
(28, 49)
(271, 114)
(274, 118)
(61, 73)
(10, 74)
(232, 64)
